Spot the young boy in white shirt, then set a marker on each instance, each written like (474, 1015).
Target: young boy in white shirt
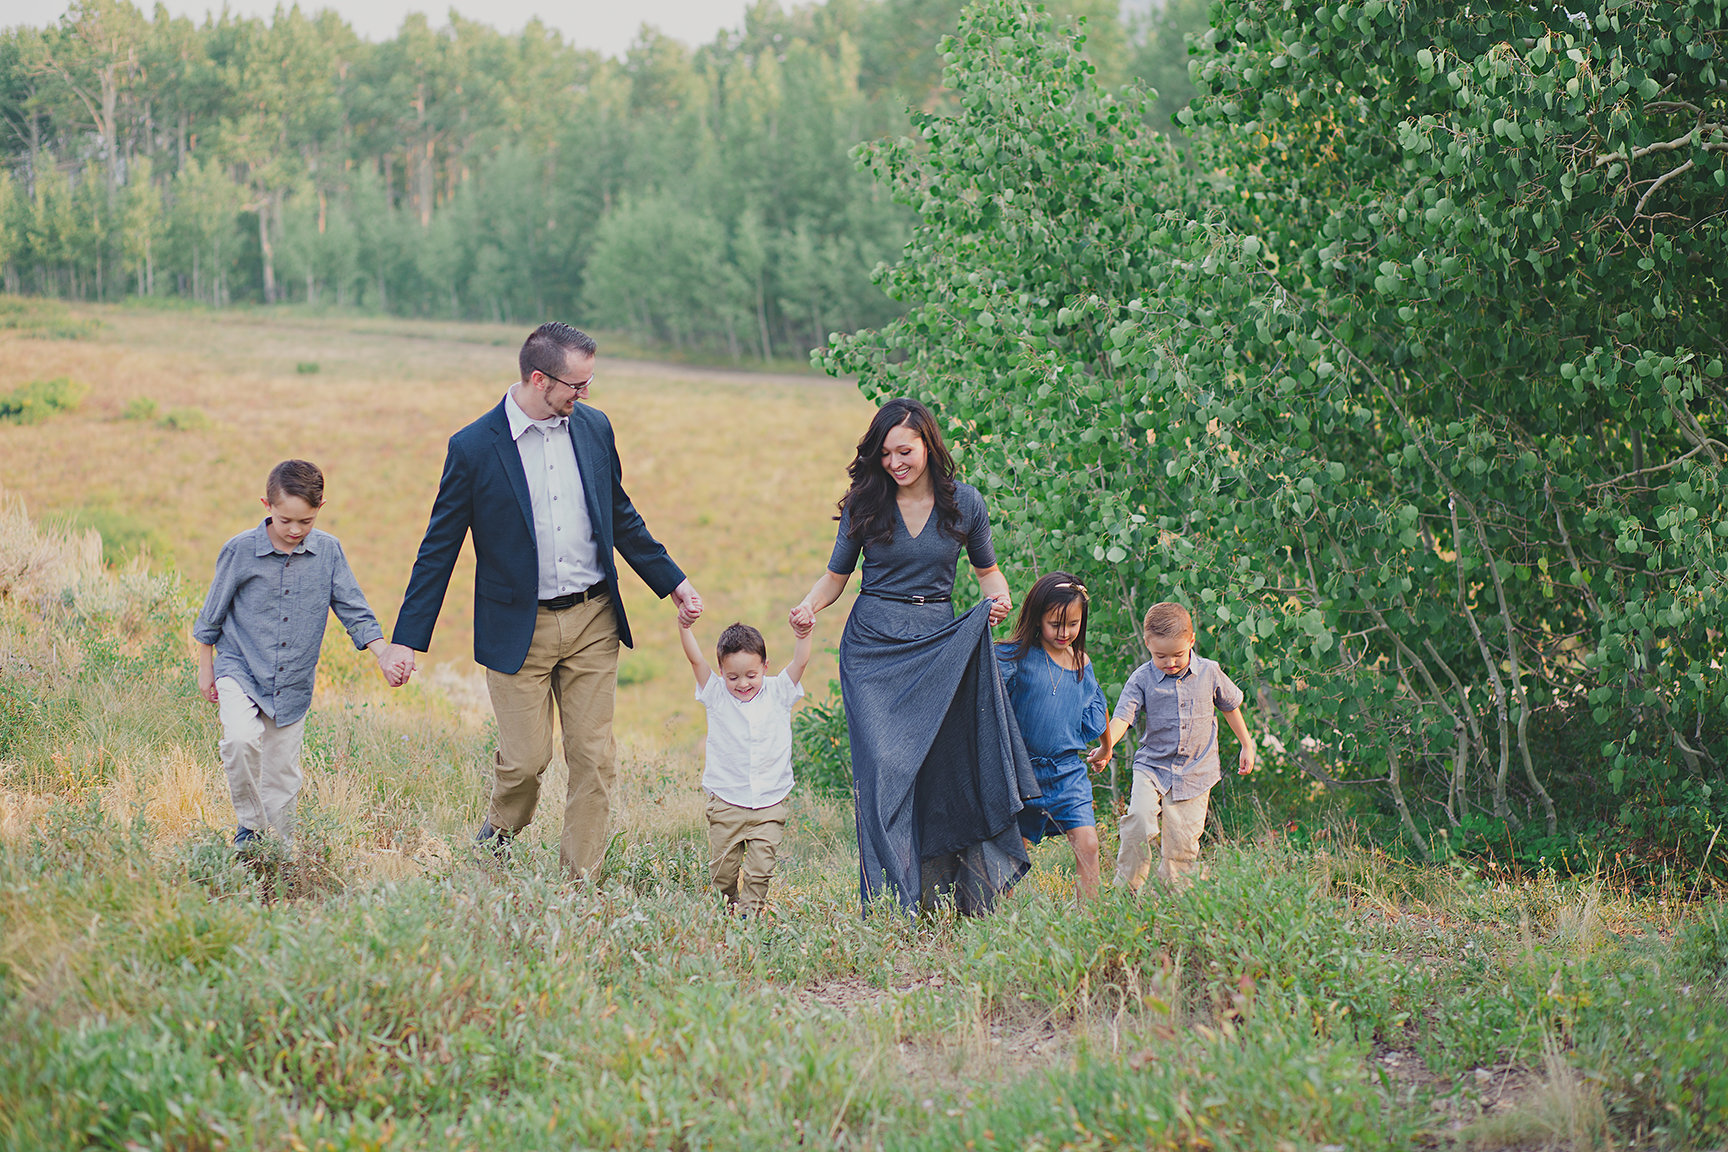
(747, 770)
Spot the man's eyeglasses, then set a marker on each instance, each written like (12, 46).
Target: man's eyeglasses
(580, 389)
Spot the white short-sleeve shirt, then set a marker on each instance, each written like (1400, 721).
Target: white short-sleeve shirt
(749, 752)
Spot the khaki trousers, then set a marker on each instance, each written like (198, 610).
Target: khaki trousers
(573, 662)
(742, 845)
(261, 760)
(1182, 823)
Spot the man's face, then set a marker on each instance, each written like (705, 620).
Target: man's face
(1171, 654)
(571, 383)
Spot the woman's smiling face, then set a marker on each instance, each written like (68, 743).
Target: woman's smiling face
(903, 456)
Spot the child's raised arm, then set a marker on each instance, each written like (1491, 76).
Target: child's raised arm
(1100, 755)
(800, 652)
(693, 653)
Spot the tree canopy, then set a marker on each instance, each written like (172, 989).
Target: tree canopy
(1410, 383)
(692, 197)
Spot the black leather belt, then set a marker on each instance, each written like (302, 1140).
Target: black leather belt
(571, 599)
(906, 599)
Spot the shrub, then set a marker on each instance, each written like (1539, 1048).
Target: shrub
(36, 401)
(140, 408)
(821, 749)
(185, 419)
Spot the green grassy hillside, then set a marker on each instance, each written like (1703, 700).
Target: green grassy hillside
(388, 989)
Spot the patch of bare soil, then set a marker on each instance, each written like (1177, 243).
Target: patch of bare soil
(988, 1045)
(1465, 1109)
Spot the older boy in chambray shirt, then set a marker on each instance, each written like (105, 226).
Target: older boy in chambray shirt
(1175, 698)
(259, 635)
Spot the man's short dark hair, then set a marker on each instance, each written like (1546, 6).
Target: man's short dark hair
(300, 478)
(549, 345)
(740, 638)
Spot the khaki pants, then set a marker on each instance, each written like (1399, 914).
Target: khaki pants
(742, 844)
(1182, 822)
(261, 759)
(573, 661)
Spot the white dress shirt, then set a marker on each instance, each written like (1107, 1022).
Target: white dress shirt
(749, 753)
(563, 534)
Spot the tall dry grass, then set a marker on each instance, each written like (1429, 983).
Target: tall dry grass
(736, 473)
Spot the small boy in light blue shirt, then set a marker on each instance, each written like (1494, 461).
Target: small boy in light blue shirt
(259, 635)
(1175, 698)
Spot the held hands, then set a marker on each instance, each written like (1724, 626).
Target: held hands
(802, 618)
(689, 604)
(396, 661)
(1000, 606)
(1099, 757)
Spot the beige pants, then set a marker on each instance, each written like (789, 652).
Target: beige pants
(261, 759)
(742, 845)
(1182, 822)
(573, 662)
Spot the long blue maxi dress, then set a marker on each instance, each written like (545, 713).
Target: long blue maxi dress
(939, 772)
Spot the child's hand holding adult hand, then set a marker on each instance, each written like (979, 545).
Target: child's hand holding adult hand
(801, 616)
(1099, 757)
(396, 661)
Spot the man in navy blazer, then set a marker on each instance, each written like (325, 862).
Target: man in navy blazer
(538, 484)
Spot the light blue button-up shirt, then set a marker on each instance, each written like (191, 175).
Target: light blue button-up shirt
(564, 543)
(1177, 721)
(265, 615)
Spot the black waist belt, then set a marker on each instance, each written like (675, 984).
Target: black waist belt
(906, 599)
(571, 599)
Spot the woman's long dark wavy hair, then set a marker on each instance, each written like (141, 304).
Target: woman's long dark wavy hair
(871, 496)
(1053, 590)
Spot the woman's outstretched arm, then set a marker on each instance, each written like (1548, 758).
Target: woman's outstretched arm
(824, 592)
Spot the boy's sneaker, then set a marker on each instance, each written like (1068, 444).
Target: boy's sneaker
(245, 839)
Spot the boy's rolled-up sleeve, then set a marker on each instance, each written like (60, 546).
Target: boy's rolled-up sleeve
(1226, 697)
(1132, 700)
(207, 629)
(349, 603)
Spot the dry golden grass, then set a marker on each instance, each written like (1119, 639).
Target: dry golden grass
(736, 473)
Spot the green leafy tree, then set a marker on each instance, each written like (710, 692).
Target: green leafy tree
(1410, 391)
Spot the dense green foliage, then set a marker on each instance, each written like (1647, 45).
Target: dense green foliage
(695, 198)
(1411, 385)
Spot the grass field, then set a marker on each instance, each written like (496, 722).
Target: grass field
(389, 988)
(737, 473)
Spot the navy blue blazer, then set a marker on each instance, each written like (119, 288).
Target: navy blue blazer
(485, 491)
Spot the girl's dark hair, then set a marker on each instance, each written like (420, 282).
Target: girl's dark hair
(300, 478)
(1053, 590)
(871, 496)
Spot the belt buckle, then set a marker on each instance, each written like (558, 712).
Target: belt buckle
(917, 599)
